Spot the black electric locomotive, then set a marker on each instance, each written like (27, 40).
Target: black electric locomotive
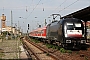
(68, 32)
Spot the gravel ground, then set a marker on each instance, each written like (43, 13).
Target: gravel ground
(37, 51)
(9, 49)
(75, 55)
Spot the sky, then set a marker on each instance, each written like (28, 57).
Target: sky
(34, 12)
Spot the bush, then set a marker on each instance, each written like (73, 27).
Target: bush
(36, 41)
(49, 45)
(69, 51)
(62, 50)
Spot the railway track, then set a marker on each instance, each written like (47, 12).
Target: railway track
(54, 54)
(37, 52)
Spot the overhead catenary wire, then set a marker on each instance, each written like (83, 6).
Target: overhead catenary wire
(34, 8)
(66, 6)
(43, 8)
(59, 6)
(69, 5)
(54, 9)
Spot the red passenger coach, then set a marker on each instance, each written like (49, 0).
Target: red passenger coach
(33, 33)
(43, 31)
(38, 33)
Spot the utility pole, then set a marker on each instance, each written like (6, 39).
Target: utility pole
(11, 24)
(45, 22)
(18, 25)
(11, 19)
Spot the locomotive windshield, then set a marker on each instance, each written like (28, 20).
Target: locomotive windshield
(72, 26)
(78, 26)
(73, 29)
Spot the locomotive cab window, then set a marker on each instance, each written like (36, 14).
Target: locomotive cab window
(78, 26)
(70, 26)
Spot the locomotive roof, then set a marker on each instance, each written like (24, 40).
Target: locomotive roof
(70, 20)
(83, 14)
(75, 19)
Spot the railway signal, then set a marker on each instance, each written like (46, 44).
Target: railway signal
(28, 26)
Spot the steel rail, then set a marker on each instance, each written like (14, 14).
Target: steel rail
(30, 51)
(45, 50)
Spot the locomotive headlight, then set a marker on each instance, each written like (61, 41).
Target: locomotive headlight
(68, 41)
(66, 35)
(83, 41)
(83, 35)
